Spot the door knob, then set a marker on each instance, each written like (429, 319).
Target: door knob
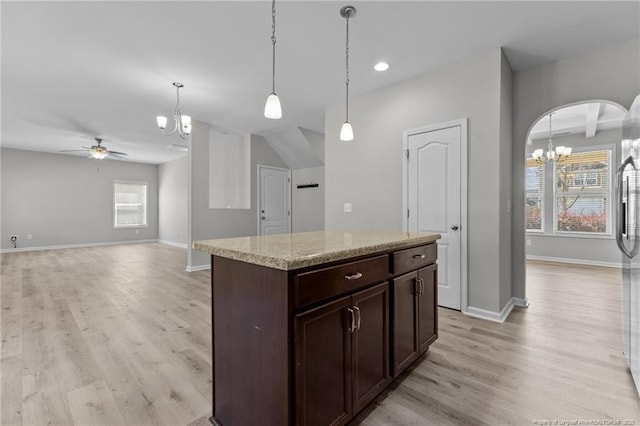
(454, 227)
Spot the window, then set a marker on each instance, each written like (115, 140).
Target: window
(583, 192)
(129, 204)
(534, 195)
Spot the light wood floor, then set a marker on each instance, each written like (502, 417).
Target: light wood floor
(121, 335)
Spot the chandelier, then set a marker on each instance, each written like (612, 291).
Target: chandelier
(558, 154)
(182, 122)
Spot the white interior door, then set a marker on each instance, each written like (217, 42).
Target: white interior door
(274, 200)
(433, 199)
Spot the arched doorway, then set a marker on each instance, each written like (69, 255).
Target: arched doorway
(571, 155)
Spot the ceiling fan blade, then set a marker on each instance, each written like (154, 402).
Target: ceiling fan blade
(117, 152)
(122, 157)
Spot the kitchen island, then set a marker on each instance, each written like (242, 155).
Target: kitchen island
(309, 328)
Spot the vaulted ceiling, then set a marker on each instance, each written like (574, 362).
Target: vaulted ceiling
(75, 70)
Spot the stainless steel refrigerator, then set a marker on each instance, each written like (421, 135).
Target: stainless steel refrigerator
(628, 237)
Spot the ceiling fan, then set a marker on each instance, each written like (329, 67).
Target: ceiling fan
(98, 151)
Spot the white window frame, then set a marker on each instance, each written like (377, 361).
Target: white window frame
(612, 166)
(542, 202)
(146, 204)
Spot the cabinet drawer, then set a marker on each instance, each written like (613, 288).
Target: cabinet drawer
(414, 258)
(314, 286)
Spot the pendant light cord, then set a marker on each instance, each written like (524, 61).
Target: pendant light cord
(177, 111)
(273, 43)
(550, 114)
(346, 81)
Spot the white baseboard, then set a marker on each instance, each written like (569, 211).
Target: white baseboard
(70, 246)
(197, 268)
(576, 261)
(173, 243)
(496, 316)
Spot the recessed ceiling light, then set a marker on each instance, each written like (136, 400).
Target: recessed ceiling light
(381, 66)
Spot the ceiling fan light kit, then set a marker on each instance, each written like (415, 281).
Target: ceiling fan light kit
(182, 124)
(98, 151)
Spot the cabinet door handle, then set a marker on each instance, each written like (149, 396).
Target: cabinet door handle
(355, 276)
(352, 326)
(419, 256)
(421, 282)
(357, 311)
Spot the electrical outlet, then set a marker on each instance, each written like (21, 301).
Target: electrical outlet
(347, 207)
(13, 238)
(528, 242)
(29, 236)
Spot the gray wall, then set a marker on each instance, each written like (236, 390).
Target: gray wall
(209, 223)
(172, 201)
(307, 204)
(368, 171)
(66, 200)
(597, 250)
(506, 106)
(610, 73)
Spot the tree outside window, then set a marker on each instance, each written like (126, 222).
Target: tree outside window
(582, 192)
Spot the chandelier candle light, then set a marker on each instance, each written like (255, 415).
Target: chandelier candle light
(346, 132)
(559, 154)
(182, 122)
(272, 108)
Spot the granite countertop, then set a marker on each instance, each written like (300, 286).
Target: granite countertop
(299, 250)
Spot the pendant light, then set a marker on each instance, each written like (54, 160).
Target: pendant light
(346, 132)
(272, 108)
(558, 154)
(182, 122)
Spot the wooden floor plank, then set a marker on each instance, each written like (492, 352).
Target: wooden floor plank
(121, 335)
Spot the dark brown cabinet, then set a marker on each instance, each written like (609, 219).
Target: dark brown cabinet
(415, 320)
(313, 346)
(342, 357)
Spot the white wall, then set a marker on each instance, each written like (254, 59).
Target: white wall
(172, 201)
(610, 73)
(209, 223)
(307, 204)
(368, 171)
(506, 108)
(68, 200)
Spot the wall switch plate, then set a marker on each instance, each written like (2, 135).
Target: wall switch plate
(29, 236)
(347, 207)
(528, 242)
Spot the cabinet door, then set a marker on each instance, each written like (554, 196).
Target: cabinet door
(323, 364)
(405, 338)
(370, 373)
(427, 307)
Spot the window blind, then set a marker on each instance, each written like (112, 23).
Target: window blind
(130, 204)
(583, 192)
(534, 195)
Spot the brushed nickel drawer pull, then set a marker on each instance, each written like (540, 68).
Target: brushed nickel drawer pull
(419, 256)
(355, 276)
(352, 327)
(355, 308)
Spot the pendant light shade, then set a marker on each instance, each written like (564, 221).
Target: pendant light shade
(346, 132)
(272, 108)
